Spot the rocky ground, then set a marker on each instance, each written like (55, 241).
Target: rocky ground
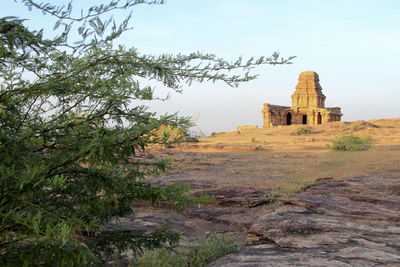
(355, 222)
(290, 199)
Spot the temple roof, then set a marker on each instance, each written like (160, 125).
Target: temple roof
(308, 91)
(309, 75)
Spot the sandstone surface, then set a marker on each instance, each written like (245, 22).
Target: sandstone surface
(349, 216)
(355, 222)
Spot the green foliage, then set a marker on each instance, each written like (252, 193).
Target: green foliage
(351, 143)
(174, 135)
(191, 139)
(300, 183)
(301, 130)
(293, 186)
(213, 248)
(71, 124)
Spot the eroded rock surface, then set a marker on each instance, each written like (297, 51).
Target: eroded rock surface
(242, 196)
(235, 210)
(355, 222)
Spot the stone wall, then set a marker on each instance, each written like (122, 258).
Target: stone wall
(308, 105)
(274, 115)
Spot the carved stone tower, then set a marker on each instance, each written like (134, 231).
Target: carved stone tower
(308, 92)
(308, 105)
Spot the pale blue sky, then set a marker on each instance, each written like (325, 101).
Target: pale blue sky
(354, 46)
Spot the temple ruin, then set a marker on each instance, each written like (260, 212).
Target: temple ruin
(308, 105)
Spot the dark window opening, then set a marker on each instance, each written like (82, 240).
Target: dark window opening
(319, 118)
(304, 119)
(289, 119)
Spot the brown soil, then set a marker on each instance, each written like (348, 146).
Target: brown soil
(322, 193)
(274, 159)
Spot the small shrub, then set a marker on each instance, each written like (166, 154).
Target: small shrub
(356, 127)
(213, 248)
(190, 139)
(301, 130)
(346, 127)
(192, 136)
(351, 143)
(353, 127)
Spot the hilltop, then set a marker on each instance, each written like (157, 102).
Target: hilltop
(290, 198)
(269, 157)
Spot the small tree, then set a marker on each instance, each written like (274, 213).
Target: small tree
(70, 130)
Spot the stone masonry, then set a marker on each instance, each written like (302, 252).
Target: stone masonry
(308, 105)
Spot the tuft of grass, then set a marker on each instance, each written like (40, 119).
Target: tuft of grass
(356, 127)
(292, 187)
(332, 162)
(353, 127)
(351, 143)
(301, 130)
(198, 255)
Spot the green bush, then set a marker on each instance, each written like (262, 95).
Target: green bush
(351, 143)
(213, 248)
(301, 130)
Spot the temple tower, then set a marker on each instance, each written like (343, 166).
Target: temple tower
(308, 92)
(308, 105)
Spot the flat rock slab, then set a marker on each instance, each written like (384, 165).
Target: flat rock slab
(233, 212)
(355, 222)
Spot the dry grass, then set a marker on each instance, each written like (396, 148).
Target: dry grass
(271, 158)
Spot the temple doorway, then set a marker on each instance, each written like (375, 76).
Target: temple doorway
(289, 119)
(304, 119)
(319, 118)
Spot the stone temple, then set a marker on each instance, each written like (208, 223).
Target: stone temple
(308, 105)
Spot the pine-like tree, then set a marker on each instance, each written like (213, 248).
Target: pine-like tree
(70, 130)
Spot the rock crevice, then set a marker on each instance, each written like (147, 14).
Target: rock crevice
(336, 223)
